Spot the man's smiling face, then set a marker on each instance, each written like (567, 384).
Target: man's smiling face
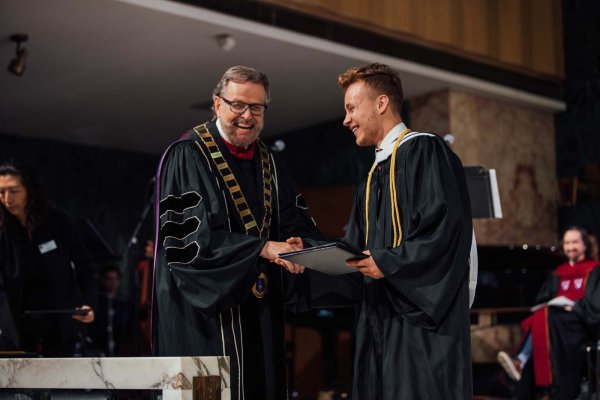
(360, 104)
(573, 246)
(241, 130)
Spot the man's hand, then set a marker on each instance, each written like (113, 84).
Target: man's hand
(271, 249)
(367, 266)
(296, 243)
(86, 318)
(290, 266)
(293, 268)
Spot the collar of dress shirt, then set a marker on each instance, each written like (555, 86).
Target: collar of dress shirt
(218, 123)
(387, 145)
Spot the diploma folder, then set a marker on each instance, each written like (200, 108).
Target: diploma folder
(328, 258)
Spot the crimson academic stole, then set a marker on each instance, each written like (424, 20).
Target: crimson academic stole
(237, 196)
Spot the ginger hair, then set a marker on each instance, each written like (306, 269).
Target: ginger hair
(380, 78)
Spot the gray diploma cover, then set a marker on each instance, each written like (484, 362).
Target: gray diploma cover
(329, 258)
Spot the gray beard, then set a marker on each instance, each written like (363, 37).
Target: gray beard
(227, 133)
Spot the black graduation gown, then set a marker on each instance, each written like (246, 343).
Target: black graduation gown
(203, 303)
(570, 333)
(588, 308)
(413, 333)
(69, 276)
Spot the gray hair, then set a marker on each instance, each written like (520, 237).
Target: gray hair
(241, 74)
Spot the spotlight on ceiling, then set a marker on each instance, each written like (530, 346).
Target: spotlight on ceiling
(225, 41)
(17, 64)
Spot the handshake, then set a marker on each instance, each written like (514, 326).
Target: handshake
(271, 251)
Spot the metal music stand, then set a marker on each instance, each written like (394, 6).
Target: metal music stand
(483, 192)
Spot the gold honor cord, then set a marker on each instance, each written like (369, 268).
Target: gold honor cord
(396, 227)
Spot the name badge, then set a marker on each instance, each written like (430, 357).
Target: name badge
(47, 247)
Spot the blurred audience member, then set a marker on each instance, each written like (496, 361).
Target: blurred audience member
(109, 329)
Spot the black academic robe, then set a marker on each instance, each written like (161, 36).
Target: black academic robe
(68, 276)
(569, 334)
(203, 299)
(413, 333)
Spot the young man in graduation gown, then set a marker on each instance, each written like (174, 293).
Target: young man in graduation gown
(413, 218)
(551, 360)
(225, 203)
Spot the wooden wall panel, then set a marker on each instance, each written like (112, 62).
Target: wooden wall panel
(521, 34)
(542, 35)
(510, 32)
(398, 16)
(475, 26)
(436, 23)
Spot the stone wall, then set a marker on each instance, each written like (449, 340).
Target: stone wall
(518, 143)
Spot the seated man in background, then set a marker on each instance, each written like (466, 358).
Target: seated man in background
(556, 334)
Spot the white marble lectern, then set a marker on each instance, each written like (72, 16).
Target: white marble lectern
(172, 375)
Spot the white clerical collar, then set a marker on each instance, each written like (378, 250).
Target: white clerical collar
(387, 145)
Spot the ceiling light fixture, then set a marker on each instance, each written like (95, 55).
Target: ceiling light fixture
(225, 41)
(17, 64)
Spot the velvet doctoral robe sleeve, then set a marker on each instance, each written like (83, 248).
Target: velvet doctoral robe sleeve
(424, 274)
(588, 308)
(211, 267)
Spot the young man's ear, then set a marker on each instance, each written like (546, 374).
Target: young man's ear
(383, 102)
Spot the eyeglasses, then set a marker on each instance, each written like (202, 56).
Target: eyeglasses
(238, 107)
